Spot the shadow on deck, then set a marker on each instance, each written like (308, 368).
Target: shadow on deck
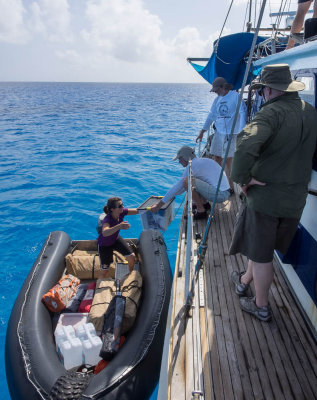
(242, 357)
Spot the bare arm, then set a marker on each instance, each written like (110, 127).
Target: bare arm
(201, 135)
(107, 231)
(132, 211)
(156, 207)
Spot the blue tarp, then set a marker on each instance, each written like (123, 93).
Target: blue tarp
(227, 59)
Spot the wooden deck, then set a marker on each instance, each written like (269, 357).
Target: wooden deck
(241, 357)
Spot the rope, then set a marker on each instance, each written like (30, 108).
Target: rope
(20, 328)
(216, 50)
(223, 26)
(245, 16)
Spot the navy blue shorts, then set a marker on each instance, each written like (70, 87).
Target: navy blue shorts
(106, 252)
(303, 1)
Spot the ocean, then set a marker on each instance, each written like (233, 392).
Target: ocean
(66, 147)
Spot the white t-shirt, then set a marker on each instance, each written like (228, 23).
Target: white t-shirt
(204, 169)
(222, 112)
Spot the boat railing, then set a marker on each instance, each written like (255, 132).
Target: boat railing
(204, 151)
(189, 247)
(164, 384)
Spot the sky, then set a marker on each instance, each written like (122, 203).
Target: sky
(112, 40)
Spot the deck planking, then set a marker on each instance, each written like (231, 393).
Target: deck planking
(242, 357)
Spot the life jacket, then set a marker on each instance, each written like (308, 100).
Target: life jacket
(57, 298)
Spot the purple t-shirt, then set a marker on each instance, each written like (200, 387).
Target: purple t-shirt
(110, 240)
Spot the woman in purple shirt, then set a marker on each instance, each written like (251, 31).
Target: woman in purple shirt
(109, 238)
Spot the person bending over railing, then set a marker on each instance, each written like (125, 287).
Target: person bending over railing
(206, 174)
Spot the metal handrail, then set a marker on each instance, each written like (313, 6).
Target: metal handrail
(189, 236)
(206, 148)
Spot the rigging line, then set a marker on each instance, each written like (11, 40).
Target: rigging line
(279, 16)
(223, 26)
(255, 7)
(245, 15)
(202, 248)
(216, 46)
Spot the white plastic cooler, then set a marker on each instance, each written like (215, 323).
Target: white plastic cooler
(159, 220)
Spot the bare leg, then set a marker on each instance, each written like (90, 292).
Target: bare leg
(218, 160)
(197, 198)
(228, 171)
(104, 274)
(247, 278)
(228, 166)
(315, 10)
(298, 22)
(263, 274)
(131, 259)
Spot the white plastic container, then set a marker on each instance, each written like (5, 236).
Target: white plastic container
(159, 220)
(69, 348)
(73, 319)
(91, 343)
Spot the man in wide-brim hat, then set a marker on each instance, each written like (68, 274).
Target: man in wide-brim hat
(272, 163)
(278, 77)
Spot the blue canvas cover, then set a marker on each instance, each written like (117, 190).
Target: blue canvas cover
(227, 59)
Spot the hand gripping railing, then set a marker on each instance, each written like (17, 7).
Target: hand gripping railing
(203, 246)
(203, 152)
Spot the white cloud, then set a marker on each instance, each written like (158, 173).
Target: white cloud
(51, 18)
(12, 29)
(188, 43)
(105, 40)
(240, 2)
(19, 23)
(71, 57)
(123, 29)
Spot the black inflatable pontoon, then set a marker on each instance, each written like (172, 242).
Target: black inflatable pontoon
(33, 368)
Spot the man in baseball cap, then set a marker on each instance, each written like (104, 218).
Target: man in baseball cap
(186, 152)
(205, 174)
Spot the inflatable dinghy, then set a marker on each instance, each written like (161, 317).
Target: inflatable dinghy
(33, 368)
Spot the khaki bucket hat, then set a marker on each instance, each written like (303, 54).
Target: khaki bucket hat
(278, 76)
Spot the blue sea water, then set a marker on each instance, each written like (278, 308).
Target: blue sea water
(66, 147)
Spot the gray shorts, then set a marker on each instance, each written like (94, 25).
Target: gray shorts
(208, 191)
(257, 235)
(219, 145)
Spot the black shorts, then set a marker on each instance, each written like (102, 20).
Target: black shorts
(106, 252)
(303, 1)
(256, 235)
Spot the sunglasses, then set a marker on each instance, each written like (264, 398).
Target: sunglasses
(120, 206)
(261, 90)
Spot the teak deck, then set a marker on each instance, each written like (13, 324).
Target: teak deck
(241, 357)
